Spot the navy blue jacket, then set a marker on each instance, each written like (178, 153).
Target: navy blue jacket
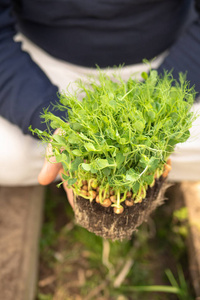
(90, 32)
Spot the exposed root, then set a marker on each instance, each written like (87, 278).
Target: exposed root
(124, 272)
(103, 222)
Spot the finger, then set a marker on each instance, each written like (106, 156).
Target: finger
(50, 168)
(48, 172)
(68, 191)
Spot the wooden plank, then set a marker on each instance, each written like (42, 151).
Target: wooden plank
(191, 194)
(21, 210)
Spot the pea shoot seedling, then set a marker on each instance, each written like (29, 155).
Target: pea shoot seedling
(118, 139)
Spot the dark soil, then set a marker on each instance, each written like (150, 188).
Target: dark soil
(105, 223)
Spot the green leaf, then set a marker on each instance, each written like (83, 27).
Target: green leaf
(110, 133)
(113, 103)
(184, 137)
(152, 79)
(135, 187)
(59, 139)
(106, 171)
(144, 160)
(67, 157)
(153, 163)
(89, 147)
(148, 179)
(105, 119)
(119, 159)
(65, 177)
(54, 124)
(151, 114)
(86, 167)
(100, 163)
(76, 163)
(77, 152)
(94, 170)
(65, 166)
(76, 126)
(123, 141)
(139, 126)
(84, 137)
(132, 175)
(60, 158)
(73, 139)
(144, 75)
(71, 181)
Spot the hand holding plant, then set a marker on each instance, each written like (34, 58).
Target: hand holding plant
(115, 146)
(50, 171)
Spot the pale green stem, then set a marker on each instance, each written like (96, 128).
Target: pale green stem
(124, 197)
(118, 197)
(152, 288)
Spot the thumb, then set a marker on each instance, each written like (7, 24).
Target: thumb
(49, 172)
(50, 168)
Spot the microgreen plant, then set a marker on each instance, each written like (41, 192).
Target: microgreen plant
(121, 134)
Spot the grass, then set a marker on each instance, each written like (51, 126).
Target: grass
(153, 265)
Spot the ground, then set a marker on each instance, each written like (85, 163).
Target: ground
(78, 265)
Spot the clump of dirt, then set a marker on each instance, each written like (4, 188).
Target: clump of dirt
(105, 223)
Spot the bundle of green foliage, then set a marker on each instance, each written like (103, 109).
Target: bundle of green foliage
(118, 138)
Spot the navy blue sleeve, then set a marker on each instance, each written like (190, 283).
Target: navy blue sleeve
(24, 89)
(184, 55)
